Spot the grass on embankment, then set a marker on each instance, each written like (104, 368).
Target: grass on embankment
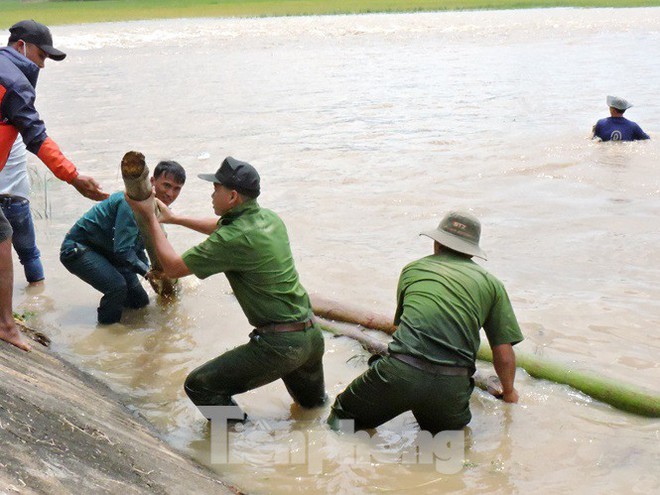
(76, 12)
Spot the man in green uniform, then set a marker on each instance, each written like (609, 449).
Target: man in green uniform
(250, 245)
(443, 300)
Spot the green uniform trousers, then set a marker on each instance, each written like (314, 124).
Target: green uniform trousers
(391, 387)
(295, 357)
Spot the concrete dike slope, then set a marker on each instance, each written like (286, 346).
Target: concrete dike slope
(62, 432)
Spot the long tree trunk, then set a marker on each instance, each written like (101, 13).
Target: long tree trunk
(620, 395)
(135, 173)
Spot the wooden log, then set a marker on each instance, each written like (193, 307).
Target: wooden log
(135, 173)
(623, 396)
(333, 310)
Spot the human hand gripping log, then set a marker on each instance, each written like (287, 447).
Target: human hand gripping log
(135, 174)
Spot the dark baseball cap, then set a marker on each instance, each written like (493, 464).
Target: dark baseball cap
(33, 32)
(238, 175)
(460, 231)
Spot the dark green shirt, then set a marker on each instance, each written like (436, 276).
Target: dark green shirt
(251, 246)
(442, 303)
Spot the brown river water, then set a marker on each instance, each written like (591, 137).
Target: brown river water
(365, 130)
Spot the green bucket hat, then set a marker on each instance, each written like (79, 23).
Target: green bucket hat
(460, 231)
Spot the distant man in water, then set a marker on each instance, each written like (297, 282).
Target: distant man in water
(105, 249)
(617, 127)
(250, 245)
(443, 300)
(30, 44)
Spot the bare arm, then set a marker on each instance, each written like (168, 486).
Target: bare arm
(504, 360)
(172, 264)
(203, 225)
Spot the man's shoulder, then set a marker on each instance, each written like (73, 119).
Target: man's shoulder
(109, 206)
(10, 75)
(116, 197)
(255, 220)
(258, 218)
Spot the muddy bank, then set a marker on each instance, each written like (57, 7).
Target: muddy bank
(63, 432)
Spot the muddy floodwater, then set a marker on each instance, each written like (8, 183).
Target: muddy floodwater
(365, 130)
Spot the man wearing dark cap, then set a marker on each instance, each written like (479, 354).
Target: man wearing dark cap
(250, 245)
(30, 44)
(443, 300)
(617, 127)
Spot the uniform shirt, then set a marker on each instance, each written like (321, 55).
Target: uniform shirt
(110, 229)
(619, 129)
(442, 303)
(251, 247)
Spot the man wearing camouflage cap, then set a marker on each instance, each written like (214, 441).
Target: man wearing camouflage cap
(617, 127)
(443, 300)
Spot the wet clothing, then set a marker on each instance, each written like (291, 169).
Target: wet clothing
(251, 247)
(14, 202)
(391, 387)
(442, 303)
(619, 129)
(295, 357)
(105, 249)
(17, 211)
(18, 80)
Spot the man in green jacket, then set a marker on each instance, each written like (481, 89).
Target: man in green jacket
(250, 245)
(443, 300)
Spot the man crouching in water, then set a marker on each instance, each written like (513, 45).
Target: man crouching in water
(443, 300)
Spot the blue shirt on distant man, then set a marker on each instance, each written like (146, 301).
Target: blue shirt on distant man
(617, 127)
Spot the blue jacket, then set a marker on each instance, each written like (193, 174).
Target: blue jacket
(18, 80)
(109, 228)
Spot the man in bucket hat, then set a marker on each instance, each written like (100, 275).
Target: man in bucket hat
(250, 245)
(30, 44)
(443, 300)
(617, 127)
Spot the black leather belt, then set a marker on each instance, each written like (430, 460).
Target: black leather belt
(285, 327)
(437, 369)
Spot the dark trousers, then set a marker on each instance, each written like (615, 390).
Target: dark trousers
(17, 212)
(120, 287)
(295, 357)
(391, 387)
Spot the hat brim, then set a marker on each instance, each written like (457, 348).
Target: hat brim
(611, 103)
(53, 53)
(209, 177)
(455, 243)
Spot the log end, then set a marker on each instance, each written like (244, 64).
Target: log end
(133, 165)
